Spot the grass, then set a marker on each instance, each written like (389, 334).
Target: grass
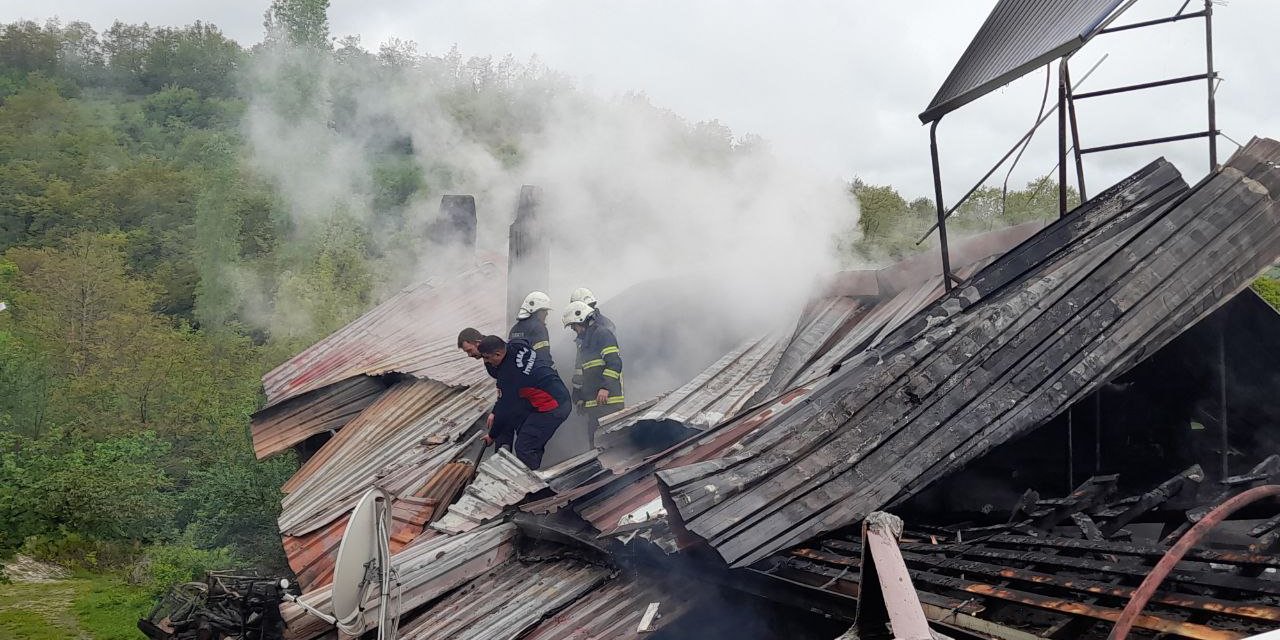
(88, 607)
(109, 608)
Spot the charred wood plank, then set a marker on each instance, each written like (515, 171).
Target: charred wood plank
(1071, 607)
(1093, 491)
(1137, 549)
(1185, 481)
(1087, 526)
(1187, 576)
(1265, 527)
(1183, 601)
(1267, 471)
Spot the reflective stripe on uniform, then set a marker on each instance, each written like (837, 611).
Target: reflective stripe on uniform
(611, 400)
(610, 373)
(591, 364)
(608, 350)
(541, 345)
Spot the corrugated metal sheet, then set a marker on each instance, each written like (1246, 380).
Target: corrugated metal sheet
(819, 326)
(719, 392)
(617, 501)
(613, 610)
(328, 409)
(506, 601)
(312, 555)
(501, 481)
(870, 329)
(413, 332)
(397, 444)
(427, 569)
(1040, 328)
(1017, 37)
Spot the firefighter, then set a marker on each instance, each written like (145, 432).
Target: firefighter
(597, 375)
(531, 324)
(583, 294)
(532, 399)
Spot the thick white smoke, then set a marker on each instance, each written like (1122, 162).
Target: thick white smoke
(633, 192)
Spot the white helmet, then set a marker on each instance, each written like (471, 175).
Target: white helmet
(533, 303)
(583, 294)
(577, 312)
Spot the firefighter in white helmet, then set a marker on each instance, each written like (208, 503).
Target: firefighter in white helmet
(597, 375)
(531, 325)
(583, 294)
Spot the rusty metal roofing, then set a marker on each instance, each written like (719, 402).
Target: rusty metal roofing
(1017, 37)
(414, 332)
(1037, 330)
(719, 392)
(506, 601)
(426, 570)
(328, 409)
(501, 481)
(397, 443)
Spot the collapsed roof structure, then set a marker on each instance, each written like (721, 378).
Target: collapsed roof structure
(939, 392)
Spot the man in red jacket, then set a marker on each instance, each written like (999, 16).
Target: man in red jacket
(532, 399)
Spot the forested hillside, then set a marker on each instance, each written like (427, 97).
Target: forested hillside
(180, 212)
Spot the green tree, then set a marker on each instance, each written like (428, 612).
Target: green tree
(303, 23)
(881, 209)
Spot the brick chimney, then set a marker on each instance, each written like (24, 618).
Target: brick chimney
(529, 256)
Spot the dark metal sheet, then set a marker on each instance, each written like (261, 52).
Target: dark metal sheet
(1017, 37)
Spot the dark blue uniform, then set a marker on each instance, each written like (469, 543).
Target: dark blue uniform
(533, 331)
(599, 367)
(532, 403)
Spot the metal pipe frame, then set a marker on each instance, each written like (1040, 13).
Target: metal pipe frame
(1152, 23)
(1067, 101)
(942, 212)
(1075, 130)
(1149, 141)
(1144, 85)
(1062, 139)
(1210, 76)
(1008, 154)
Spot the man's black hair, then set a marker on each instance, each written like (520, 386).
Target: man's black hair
(491, 344)
(469, 335)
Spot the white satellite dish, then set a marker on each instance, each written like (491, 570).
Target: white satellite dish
(362, 565)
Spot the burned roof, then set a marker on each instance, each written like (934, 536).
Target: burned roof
(1045, 325)
(887, 384)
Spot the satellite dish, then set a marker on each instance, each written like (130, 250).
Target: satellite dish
(364, 562)
(362, 565)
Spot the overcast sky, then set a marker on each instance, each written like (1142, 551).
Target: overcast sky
(834, 85)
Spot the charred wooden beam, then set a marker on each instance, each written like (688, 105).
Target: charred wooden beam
(1085, 586)
(1094, 491)
(1074, 608)
(1137, 549)
(1185, 481)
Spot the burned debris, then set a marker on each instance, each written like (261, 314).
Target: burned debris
(225, 605)
(1049, 411)
(752, 481)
